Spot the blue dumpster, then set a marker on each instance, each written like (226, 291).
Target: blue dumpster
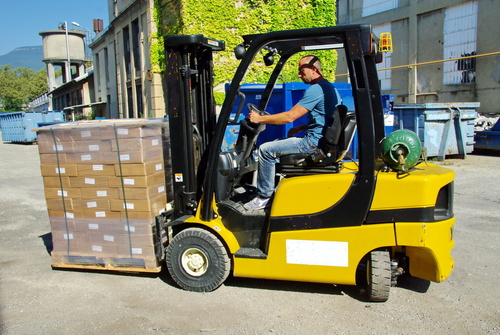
(444, 128)
(18, 127)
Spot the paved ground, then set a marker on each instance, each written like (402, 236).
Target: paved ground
(34, 299)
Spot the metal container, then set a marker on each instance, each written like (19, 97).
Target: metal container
(444, 128)
(18, 127)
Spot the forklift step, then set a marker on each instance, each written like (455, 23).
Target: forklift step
(250, 253)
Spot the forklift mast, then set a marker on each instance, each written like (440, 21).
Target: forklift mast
(191, 113)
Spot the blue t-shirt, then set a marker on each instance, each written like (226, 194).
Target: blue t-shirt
(320, 100)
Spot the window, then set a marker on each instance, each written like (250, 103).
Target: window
(385, 75)
(126, 49)
(136, 45)
(371, 7)
(460, 37)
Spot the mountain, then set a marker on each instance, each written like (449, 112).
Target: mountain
(29, 57)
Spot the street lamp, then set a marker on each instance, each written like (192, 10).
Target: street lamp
(67, 67)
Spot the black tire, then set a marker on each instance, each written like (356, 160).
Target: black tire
(197, 260)
(378, 276)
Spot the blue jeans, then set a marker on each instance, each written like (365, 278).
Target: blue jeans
(269, 154)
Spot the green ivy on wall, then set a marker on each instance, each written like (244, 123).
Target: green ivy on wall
(228, 20)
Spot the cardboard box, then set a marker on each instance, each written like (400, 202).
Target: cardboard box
(92, 204)
(92, 225)
(50, 146)
(58, 224)
(132, 193)
(137, 181)
(92, 146)
(58, 204)
(56, 182)
(94, 170)
(131, 128)
(99, 193)
(85, 158)
(92, 182)
(126, 157)
(138, 169)
(132, 251)
(53, 159)
(69, 214)
(104, 215)
(54, 170)
(73, 193)
(151, 205)
(97, 249)
(137, 144)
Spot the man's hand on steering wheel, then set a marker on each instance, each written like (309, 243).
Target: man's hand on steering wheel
(256, 114)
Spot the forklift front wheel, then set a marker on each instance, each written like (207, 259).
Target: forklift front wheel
(197, 260)
(378, 275)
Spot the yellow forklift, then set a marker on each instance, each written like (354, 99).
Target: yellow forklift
(335, 221)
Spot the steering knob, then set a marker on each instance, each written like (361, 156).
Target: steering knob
(254, 108)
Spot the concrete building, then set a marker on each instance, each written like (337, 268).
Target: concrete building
(429, 31)
(122, 68)
(70, 82)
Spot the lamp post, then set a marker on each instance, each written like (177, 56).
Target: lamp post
(67, 66)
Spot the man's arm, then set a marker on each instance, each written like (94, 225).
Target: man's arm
(281, 118)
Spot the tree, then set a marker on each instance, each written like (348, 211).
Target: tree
(19, 86)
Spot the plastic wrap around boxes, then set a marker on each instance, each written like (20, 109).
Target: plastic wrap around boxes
(444, 128)
(105, 181)
(18, 127)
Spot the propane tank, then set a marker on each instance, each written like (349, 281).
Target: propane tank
(401, 150)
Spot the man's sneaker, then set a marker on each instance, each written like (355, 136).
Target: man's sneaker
(256, 203)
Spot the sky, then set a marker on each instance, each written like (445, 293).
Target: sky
(22, 20)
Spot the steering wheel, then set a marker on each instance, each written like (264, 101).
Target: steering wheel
(254, 108)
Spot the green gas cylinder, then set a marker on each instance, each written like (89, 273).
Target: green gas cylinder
(401, 149)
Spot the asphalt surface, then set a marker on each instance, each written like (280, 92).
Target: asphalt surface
(35, 299)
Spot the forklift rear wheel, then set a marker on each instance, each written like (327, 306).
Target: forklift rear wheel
(197, 260)
(378, 275)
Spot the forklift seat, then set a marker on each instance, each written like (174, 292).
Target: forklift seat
(332, 147)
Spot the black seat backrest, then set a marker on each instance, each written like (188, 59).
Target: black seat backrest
(338, 136)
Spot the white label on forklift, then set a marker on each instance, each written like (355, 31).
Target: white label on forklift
(326, 253)
(102, 193)
(60, 170)
(122, 131)
(90, 181)
(86, 158)
(179, 178)
(158, 167)
(98, 167)
(86, 133)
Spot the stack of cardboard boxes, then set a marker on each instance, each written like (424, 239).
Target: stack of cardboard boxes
(104, 184)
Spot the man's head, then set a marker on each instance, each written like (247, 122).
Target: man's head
(310, 69)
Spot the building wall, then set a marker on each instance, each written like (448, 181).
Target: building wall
(123, 72)
(417, 28)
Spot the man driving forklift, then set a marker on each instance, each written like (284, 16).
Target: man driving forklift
(318, 103)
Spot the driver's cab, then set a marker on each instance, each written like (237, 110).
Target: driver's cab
(302, 180)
